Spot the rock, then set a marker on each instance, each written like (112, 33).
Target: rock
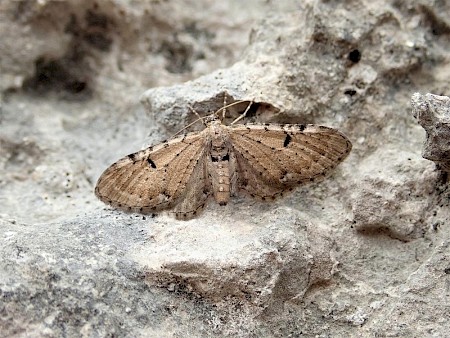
(394, 199)
(362, 253)
(433, 114)
(241, 260)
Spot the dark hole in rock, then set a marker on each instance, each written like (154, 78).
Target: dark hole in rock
(350, 92)
(178, 56)
(55, 75)
(354, 56)
(96, 33)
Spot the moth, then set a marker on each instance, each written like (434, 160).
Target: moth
(260, 160)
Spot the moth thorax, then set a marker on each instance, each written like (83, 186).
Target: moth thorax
(219, 152)
(219, 144)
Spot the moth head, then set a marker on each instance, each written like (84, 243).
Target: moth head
(211, 118)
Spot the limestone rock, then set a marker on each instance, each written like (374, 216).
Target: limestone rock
(395, 198)
(433, 114)
(363, 253)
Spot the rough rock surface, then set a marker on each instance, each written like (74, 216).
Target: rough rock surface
(433, 114)
(363, 253)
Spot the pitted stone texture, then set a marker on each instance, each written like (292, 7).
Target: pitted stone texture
(238, 259)
(433, 114)
(68, 265)
(394, 198)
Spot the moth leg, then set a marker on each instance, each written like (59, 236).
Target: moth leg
(240, 117)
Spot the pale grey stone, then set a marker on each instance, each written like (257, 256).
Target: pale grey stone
(433, 114)
(71, 76)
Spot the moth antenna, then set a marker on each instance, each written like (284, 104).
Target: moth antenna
(243, 114)
(190, 124)
(200, 118)
(224, 105)
(228, 106)
(198, 115)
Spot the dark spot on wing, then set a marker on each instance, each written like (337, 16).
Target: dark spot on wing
(151, 163)
(217, 158)
(287, 140)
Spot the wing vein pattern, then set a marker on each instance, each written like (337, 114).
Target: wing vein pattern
(263, 161)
